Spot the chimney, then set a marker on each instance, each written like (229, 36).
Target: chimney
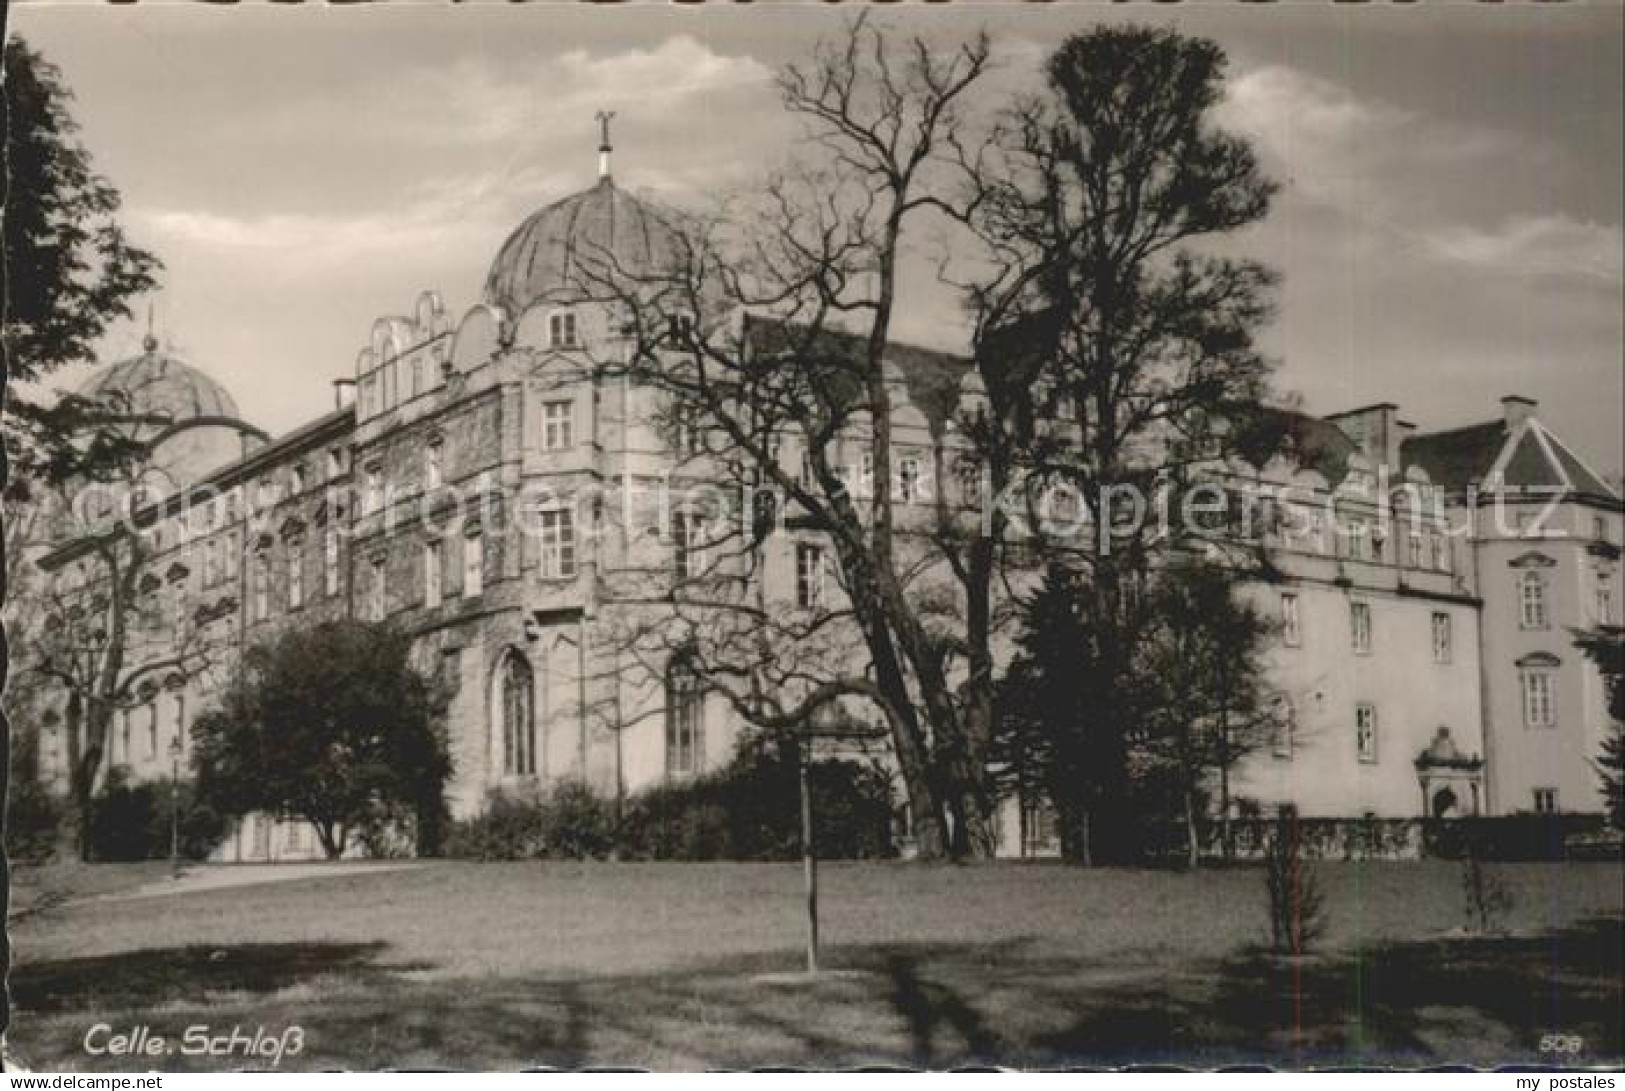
(1518, 409)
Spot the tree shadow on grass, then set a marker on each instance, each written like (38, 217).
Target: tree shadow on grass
(159, 975)
(1482, 1001)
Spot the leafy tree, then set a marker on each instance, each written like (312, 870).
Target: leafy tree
(1113, 334)
(69, 269)
(1213, 704)
(1606, 647)
(331, 724)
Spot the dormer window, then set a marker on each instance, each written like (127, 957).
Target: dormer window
(561, 330)
(299, 478)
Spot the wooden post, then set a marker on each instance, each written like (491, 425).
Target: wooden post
(809, 863)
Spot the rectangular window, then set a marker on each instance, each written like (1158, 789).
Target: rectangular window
(296, 574)
(1418, 550)
(1604, 604)
(1532, 601)
(689, 438)
(908, 480)
(558, 425)
(1441, 638)
(330, 562)
(152, 730)
(1365, 732)
(558, 544)
(688, 540)
(1545, 800)
(1539, 706)
(378, 591)
(1291, 621)
(432, 466)
(1360, 627)
(1285, 728)
(262, 587)
(561, 330)
(373, 499)
(431, 574)
(211, 563)
(809, 576)
(473, 562)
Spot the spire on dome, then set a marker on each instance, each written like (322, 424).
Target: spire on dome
(149, 342)
(604, 146)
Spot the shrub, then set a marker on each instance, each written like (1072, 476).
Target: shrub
(569, 822)
(748, 810)
(1296, 904)
(132, 821)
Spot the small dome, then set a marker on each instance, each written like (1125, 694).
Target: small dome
(570, 248)
(157, 384)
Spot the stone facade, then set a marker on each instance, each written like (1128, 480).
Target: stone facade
(474, 491)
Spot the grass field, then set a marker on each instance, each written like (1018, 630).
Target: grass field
(661, 966)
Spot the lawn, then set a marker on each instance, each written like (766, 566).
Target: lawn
(661, 966)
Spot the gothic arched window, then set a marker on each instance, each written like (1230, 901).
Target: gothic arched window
(516, 697)
(685, 719)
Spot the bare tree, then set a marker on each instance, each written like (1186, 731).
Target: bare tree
(767, 342)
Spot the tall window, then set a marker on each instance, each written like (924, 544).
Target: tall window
(1418, 551)
(1539, 704)
(863, 481)
(1360, 627)
(335, 463)
(431, 574)
(558, 539)
(561, 330)
(1545, 800)
(558, 425)
(262, 586)
(152, 729)
(298, 478)
(1285, 725)
(330, 562)
(433, 472)
(688, 439)
(1532, 601)
(1441, 638)
(688, 532)
(908, 480)
(1365, 732)
(124, 737)
(518, 710)
(1604, 607)
(296, 573)
(377, 590)
(809, 576)
(211, 563)
(373, 498)
(473, 561)
(1291, 621)
(685, 704)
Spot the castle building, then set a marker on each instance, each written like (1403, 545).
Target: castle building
(471, 486)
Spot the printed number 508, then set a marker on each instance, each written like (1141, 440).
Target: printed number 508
(1561, 1043)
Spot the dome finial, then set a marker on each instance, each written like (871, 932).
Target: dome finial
(604, 147)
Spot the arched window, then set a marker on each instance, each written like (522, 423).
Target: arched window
(516, 706)
(685, 720)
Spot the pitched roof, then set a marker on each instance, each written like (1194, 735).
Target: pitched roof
(1456, 458)
(932, 377)
(1530, 457)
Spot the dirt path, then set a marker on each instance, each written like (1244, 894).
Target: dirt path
(199, 878)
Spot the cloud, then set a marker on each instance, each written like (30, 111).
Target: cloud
(474, 101)
(1542, 246)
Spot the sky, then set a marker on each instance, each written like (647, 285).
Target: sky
(1448, 231)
